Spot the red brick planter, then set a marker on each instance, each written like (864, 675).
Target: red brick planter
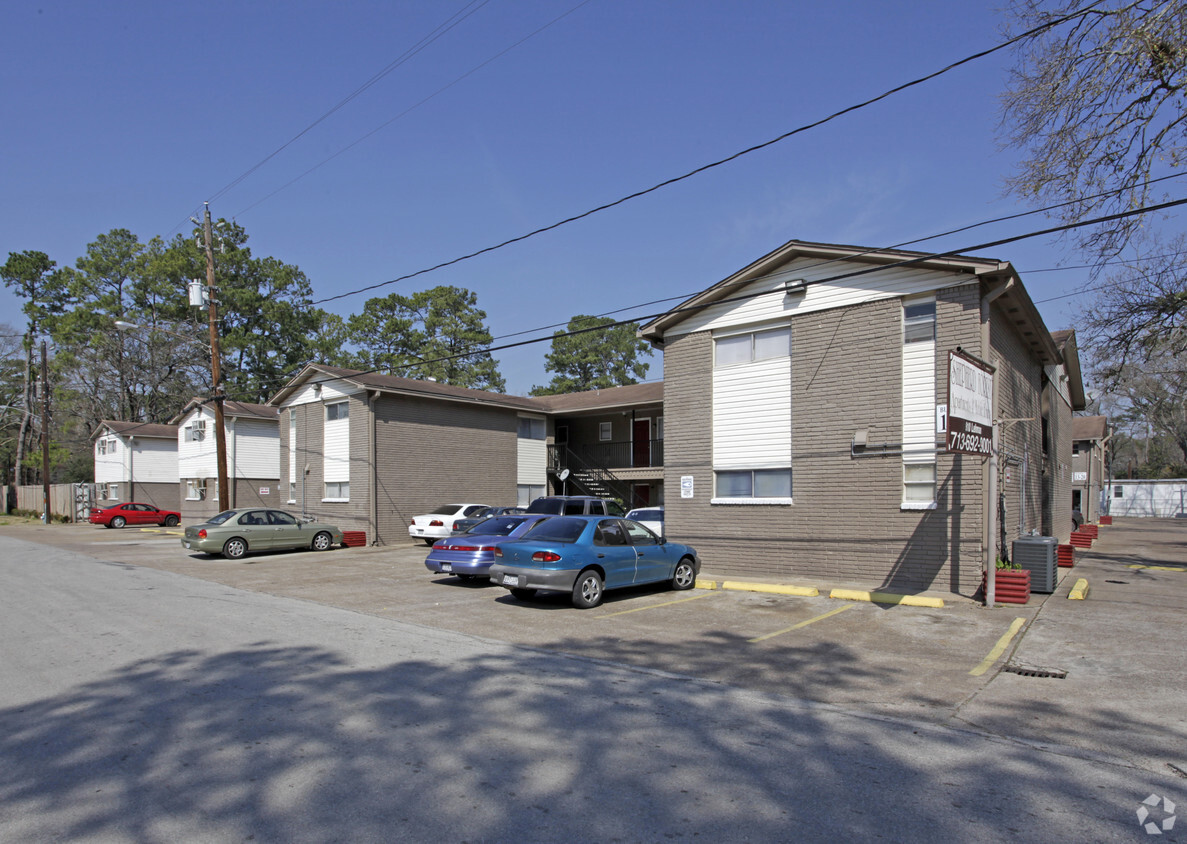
(1010, 586)
(1106, 520)
(354, 538)
(1066, 555)
(1081, 539)
(1091, 530)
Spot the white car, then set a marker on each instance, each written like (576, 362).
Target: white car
(438, 524)
(651, 518)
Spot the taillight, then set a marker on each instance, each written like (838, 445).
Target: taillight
(436, 523)
(455, 526)
(545, 557)
(464, 548)
(202, 533)
(498, 551)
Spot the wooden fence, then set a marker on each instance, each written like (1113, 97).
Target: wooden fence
(66, 501)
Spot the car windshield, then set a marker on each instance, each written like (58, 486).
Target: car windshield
(221, 517)
(646, 515)
(446, 510)
(557, 530)
(496, 526)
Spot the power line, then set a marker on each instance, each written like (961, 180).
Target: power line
(906, 262)
(411, 108)
(706, 167)
(436, 33)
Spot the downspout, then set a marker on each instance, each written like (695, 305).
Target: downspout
(992, 493)
(373, 471)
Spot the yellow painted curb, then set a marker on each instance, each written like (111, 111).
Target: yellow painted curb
(886, 598)
(705, 584)
(800, 591)
(1079, 591)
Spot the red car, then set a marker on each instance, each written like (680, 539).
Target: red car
(133, 514)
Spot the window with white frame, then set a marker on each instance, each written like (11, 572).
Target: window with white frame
(113, 492)
(752, 416)
(195, 489)
(919, 403)
(753, 484)
(195, 432)
(336, 451)
(100, 446)
(605, 431)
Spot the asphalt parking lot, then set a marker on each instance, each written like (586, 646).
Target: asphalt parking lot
(934, 664)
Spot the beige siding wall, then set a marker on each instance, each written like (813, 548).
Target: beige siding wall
(347, 515)
(846, 524)
(1058, 487)
(434, 452)
(1020, 443)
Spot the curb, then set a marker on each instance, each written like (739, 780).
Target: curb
(798, 591)
(813, 592)
(1079, 591)
(887, 598)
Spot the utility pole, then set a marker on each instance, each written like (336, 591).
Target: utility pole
(220, 431)
(45, 431)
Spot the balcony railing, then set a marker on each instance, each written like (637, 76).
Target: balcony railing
(612, 455)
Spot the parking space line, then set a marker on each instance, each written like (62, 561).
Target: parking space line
(1159, 568)
(999, 648)
(657, 606)
(820, 617)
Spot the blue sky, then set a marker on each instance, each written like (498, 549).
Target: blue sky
(131, 114)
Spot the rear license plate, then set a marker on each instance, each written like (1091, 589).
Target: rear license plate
(510, 580)
(446, 567)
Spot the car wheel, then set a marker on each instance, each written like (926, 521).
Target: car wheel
(429, 541)
(587, 591)
(322, 541)
(523, 594)
(171, 521)
(118, 522)
(685, 576)
(234, 548)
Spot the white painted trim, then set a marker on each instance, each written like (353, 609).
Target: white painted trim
(748, 501)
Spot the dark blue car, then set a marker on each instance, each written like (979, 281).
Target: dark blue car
(586, 555)
(470, 554)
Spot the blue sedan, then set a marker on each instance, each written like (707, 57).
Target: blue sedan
(586, 555)
(470, 554)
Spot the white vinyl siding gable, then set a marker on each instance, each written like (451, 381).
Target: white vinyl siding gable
(336, 444)
(111, 465)
(254, 446)
(890, 283)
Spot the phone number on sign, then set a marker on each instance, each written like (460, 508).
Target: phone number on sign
(969, 443)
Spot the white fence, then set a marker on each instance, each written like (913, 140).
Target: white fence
(1163, 499)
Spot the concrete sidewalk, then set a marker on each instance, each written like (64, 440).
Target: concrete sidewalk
(1124, 649)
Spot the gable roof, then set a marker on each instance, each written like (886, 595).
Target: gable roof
(240, 409)
(1065, 341)
(397, 385)
(631, 395)
(1012, 298)
(607, 399)
(152, 430)
(1090, 427)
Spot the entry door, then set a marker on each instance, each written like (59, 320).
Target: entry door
(641, 443)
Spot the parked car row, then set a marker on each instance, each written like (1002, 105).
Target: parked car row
(581, 555)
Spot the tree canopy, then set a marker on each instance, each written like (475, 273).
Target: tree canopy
(593, 353)
(1097, 105)
(438, 333)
